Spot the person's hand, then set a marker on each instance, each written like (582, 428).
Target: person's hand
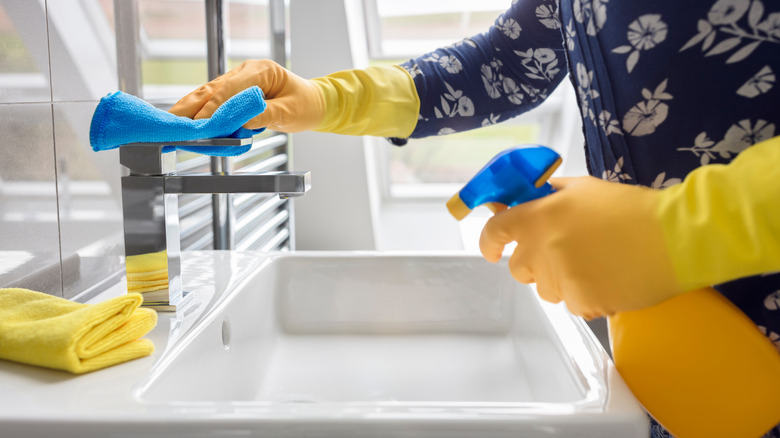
(593, 244)
(377, 100)
(294, 104)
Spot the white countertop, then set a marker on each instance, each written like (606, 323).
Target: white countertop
(35, 401)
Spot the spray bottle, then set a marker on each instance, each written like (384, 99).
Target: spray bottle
(696, 362)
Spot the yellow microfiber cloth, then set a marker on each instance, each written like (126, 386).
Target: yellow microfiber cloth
(147, 272)
(48, 331)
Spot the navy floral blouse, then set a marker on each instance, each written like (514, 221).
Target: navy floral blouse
(663, 87)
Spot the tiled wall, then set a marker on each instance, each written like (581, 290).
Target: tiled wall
(60, 204)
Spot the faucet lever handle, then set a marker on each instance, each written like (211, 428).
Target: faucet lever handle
(148, 158)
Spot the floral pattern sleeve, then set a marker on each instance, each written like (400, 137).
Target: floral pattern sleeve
(493, 76)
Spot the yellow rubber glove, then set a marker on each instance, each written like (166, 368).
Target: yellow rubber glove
(380, 101)
(723, 221)
(606, 247)
(594, 244)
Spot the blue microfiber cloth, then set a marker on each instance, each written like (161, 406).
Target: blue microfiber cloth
(121, 118)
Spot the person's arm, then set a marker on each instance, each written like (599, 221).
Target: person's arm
(373, 101)
(723, 221)
(606, 247)
(493, 76)
(485, 79)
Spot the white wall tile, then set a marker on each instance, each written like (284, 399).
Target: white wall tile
(83, 50)
(29, 232)
(90, 206)
(24, 52)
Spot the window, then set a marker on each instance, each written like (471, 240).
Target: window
(437, 166)
(173, 38)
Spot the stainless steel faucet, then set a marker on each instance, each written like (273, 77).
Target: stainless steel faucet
(150, 203)
(150, 192)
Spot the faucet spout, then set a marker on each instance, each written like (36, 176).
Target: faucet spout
(287, 184)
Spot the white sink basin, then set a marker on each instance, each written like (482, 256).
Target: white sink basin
(356, 344)
(394, 337)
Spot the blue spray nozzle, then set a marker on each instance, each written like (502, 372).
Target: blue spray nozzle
(512, 177)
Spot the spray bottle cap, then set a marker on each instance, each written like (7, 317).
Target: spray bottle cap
(512, 177)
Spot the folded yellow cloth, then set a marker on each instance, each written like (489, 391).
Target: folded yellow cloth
(48, 331)
(147, 272)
